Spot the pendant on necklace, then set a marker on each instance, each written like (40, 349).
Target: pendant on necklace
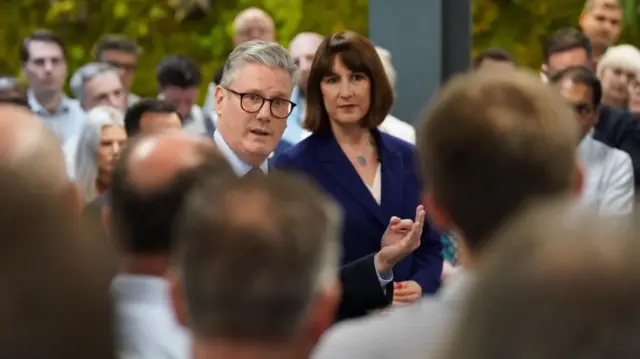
(362, 161)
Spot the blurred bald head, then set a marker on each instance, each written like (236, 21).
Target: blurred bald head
(27, 144)
(546, 304)
(253, 24)
(53, 285)
(149, 184)
(302, 49)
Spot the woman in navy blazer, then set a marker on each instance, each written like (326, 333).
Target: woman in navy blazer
(371, 174)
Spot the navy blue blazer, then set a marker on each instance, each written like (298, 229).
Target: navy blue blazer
(320, 157)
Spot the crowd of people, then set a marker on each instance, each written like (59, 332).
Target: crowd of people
(292, 216)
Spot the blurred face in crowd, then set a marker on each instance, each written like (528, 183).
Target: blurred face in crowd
(112, 139)
(125, 62)
(182, 98)
(602, 23)
(153, 123)
(46, 68)
(302, 49)
(634, 96)
(580, 97)
(105, 89)
(565, 59)
(253, 25)
(496, 66)
(346, 94)
(615, 85)
(252, 111)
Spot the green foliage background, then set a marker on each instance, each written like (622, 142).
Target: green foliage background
(521, 25)
(201, 28)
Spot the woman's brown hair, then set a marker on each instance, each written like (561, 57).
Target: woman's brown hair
(359, 55)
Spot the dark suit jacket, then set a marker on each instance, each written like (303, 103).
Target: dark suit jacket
(320, 157)
(361, 290)
(620, 129)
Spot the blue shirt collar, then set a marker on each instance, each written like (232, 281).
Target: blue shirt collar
(36, 107)
(236, 163)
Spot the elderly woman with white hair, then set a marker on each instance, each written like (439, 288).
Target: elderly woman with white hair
(98, 148)
(618, 69)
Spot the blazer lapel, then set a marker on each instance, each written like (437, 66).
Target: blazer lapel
(338, 167)
(392, 176)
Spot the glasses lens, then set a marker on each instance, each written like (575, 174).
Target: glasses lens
(281, 108)
(252, 102)
(583, 109)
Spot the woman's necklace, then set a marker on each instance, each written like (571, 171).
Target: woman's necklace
(362, 159)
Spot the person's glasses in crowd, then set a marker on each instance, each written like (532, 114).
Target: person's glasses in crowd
(252, 103)
(583, 109)
(123, 66)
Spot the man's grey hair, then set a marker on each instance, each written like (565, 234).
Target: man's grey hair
(253, 254)
(267, 53)
(85, 74)
(86, 162)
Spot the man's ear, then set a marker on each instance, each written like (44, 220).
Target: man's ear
(323, 312)
(582, 19)
(218, 97)
(544, 73)
(436, 215)
(178, 302)
(74, 198)
(578, 184)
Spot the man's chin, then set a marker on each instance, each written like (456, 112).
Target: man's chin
(259, 150)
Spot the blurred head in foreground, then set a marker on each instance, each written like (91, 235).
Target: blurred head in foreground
(557, 285)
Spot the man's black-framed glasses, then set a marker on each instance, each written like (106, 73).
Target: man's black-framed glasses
(252, 103)
(583, 109)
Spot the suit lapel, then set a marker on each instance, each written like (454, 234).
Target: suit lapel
(338, 168)
(392, 176)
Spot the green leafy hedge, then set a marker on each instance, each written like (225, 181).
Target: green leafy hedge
(164, 27)
(201, 28)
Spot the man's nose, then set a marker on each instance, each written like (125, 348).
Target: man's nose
(265, 111)
(48, 66)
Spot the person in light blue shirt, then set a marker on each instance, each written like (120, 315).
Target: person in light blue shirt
(44, 64)
(302, 49)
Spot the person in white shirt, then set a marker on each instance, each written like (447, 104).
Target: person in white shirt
(608, 186)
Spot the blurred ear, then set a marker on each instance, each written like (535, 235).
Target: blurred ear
(544, 73)
(74, 198)
(323, 312)
(178, 302)
(436, 215)
(579, 179)
(582, 19)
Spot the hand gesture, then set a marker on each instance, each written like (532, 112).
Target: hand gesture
(400, 239)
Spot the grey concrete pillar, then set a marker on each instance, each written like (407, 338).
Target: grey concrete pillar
(429, 40)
